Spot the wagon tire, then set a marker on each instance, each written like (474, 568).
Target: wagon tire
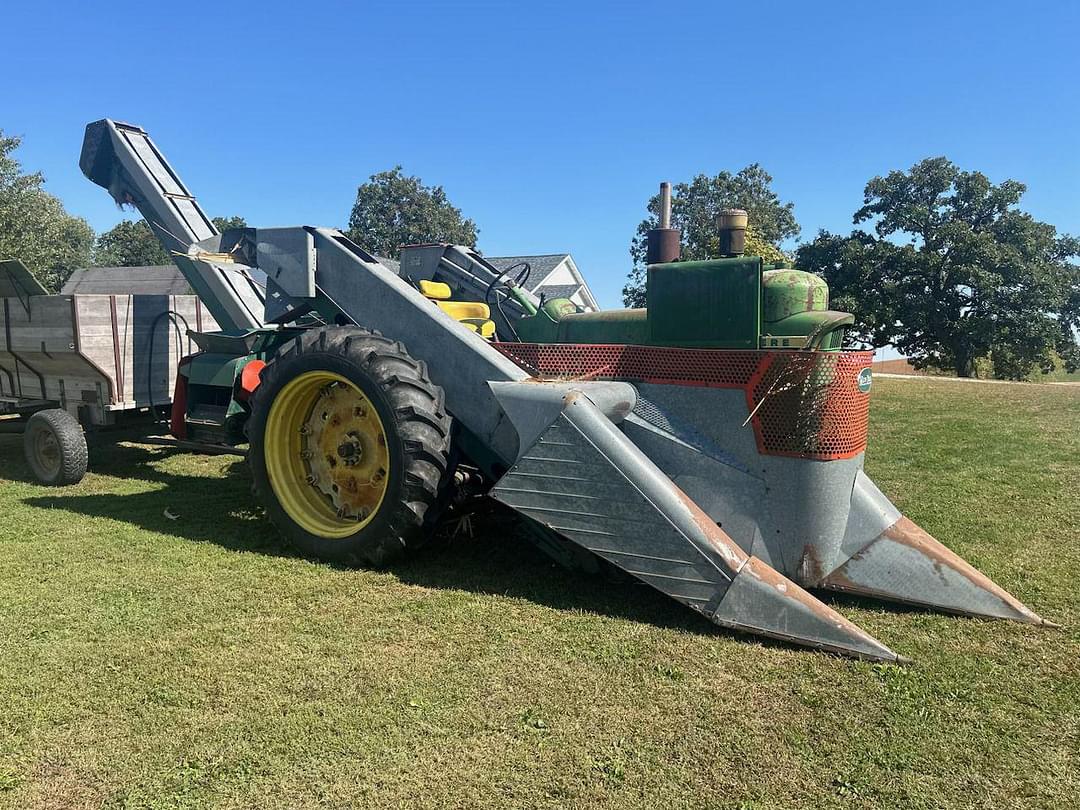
(55, 447)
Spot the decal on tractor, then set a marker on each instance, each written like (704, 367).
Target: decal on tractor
(865, 379)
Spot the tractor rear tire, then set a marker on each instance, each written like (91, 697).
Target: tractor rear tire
(55, 447)
(349, 446)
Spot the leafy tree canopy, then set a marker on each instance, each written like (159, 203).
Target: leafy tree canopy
(225, 223)
(129, 244)
(393, 210)
(954, 272)
(132, 243)
(694, 207)
(34, 227)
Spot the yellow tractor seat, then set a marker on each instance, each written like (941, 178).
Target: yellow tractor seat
(485, 328)
(460, 310)
(435, 290)
(471, 314)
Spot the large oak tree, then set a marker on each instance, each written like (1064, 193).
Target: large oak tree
(34, 227)
(954, 272)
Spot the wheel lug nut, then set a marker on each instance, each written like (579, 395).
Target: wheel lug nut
(311, 479)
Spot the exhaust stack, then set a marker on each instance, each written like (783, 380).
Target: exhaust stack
(663, 244)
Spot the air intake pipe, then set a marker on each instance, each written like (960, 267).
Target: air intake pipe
(731, 226)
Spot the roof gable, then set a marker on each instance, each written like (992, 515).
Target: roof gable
(540, 266)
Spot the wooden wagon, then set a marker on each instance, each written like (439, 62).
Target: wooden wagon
(103, 350)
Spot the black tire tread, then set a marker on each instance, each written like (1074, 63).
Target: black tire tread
(74, 456)
(420, 422)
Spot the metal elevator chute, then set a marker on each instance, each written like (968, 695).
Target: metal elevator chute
(124, 160)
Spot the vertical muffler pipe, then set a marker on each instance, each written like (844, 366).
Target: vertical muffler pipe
(663, 244)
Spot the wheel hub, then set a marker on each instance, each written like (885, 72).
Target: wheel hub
(326, 454)
(48, 450)
(351, 452)
(344, 449)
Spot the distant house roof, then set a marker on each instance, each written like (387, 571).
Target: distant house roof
(165, 279)
(541, 267)
(560, 290)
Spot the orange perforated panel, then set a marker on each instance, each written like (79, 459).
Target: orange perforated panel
(805, 404)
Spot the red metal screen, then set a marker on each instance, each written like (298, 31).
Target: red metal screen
(805, 404)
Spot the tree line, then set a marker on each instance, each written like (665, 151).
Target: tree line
(36, 229)
(946, 266)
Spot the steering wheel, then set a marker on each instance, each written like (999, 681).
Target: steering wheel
(518, 280)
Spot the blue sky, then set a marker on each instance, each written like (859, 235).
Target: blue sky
(549, 123)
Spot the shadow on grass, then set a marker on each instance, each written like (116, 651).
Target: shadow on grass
(12, 461)
(497, 559)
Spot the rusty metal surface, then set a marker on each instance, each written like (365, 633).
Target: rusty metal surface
(905, 564)
(584, 479)
(820, 524)
(764, 602)
(662, 245)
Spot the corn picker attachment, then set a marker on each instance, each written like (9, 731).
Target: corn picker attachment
(710, 446)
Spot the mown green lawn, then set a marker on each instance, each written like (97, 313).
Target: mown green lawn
(150, 662)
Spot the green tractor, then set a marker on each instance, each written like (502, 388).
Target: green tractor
(710, 445)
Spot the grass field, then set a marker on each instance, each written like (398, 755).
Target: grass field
(190, 663)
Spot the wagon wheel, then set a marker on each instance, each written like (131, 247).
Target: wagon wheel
(55, 447)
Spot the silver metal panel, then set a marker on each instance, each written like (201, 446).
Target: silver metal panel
(460, 361)
(287, 256)
(155, 164)
(871, 513)
(533, 405)
(762, 602)
(905, 564)
(791, 511)
(587, 481)
(728, 495)
(821, 523)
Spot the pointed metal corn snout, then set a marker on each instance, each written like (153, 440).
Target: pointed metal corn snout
(585, 480)
(760, 600)
(905, 564)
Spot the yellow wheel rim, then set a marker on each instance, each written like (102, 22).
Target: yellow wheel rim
(326, 454)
